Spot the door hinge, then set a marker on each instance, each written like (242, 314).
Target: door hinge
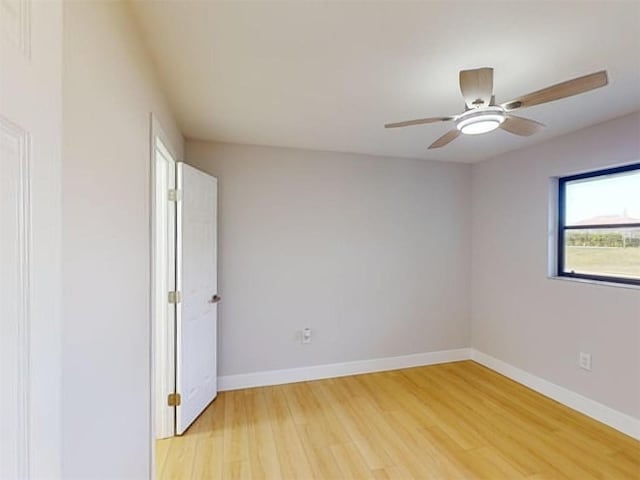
(174, 399)
(174, 195)
(175, 297)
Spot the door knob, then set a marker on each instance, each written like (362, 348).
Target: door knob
(215, 299)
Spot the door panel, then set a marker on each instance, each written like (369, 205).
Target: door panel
(196, 340)
(14, 308)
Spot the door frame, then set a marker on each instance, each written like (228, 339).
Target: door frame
(161, 266)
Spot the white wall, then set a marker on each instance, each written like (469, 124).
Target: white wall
(372, 253)
(109, 92)
(528, 320)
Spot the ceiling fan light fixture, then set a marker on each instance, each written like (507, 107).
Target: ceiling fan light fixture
(482, 115)
(475, 122)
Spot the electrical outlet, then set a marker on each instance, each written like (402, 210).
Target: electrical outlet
(584, 360)
(306, 335)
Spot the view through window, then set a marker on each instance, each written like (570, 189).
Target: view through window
(599, 225)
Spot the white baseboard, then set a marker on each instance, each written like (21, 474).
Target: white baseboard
(317, 372)
(607, 415)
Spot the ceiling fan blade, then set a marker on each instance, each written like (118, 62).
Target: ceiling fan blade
(448, 137)
(477, 86)
(521, 126)
(420, 121)
(560, 90)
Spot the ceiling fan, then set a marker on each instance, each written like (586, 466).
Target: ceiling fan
(482, 115)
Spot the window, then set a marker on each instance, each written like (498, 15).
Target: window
(599, 225)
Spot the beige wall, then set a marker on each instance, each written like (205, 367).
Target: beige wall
(539, 324)
(372, 253)
(109, 92)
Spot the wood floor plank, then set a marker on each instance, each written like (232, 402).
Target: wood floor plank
(350, 462)
(396, 472)
(318, 451)
(291, 455)
(450, 421)
(208, 457)
(356, 414)
(629, 464)
(492, 464)
(437, 461)
(236, 446)
(180, 457)
(162, 451)
(263, 458)
(237, 470)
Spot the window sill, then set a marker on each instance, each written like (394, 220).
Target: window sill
(595, 282)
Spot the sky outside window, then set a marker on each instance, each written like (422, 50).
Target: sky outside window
(614, 195)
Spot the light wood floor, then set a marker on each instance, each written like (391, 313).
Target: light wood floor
(456, 420)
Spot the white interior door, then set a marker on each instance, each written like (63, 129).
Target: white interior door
(197, 279)
(30, 232)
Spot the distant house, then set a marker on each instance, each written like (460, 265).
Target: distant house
(592, 236)
(623, 219)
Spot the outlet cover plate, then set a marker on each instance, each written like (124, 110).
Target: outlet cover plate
(584, 360)
(306, 335)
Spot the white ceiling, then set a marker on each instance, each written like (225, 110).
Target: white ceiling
(328, 75)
